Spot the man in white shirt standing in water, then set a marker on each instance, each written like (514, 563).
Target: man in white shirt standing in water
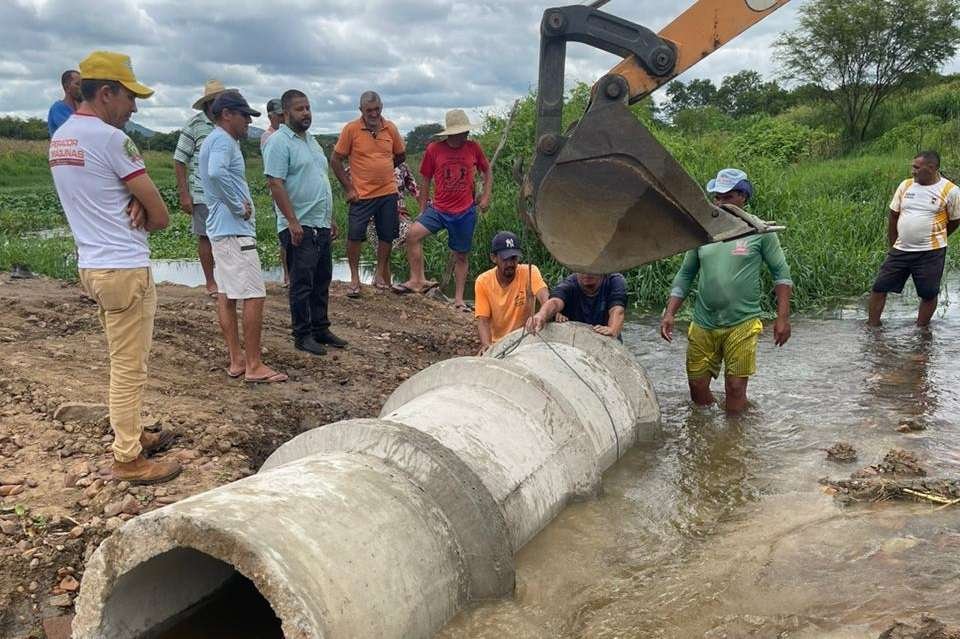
(111, 204)
(924, 211)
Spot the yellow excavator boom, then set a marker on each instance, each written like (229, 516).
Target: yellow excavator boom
(696, 33)
(606, 196)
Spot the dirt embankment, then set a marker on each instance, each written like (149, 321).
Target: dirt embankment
(57, 500)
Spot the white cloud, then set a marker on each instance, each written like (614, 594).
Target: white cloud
(422, 56)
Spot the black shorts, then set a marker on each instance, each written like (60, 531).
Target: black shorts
(386, 217)
(926, 267)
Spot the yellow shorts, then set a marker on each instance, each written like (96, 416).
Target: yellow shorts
(734, 346)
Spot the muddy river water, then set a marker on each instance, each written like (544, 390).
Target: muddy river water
(717, 527)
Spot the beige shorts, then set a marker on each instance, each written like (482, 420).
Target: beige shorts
(237, 267)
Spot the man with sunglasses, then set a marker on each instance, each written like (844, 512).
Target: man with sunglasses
(726, 324)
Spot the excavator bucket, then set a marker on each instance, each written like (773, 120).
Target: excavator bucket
(607, 196)
(615, 198)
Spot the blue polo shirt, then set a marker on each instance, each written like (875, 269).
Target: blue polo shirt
(301, 164)
(224, 177)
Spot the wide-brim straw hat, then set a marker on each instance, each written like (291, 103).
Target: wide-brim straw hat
(211, 89)
(456, 122)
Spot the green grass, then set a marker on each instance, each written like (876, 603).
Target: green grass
(834, 208)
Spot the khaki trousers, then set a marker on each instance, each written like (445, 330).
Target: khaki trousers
(127, 299)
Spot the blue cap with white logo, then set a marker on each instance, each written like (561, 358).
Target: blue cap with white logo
(505, 244)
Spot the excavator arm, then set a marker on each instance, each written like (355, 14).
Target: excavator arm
(606, 196)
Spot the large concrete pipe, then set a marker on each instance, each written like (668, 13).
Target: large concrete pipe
(387, 527)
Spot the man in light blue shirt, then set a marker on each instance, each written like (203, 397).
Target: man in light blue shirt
(296, 170)
(63, 109)
(232, 232)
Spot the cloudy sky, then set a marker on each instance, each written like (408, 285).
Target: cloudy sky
(423, 56)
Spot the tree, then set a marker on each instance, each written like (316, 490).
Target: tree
(29, 129)
(693, 95)
(745, 93)
(859, 52)
(419, 137)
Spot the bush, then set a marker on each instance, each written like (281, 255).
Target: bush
(702, 120)
(780, 141)
(909, 135)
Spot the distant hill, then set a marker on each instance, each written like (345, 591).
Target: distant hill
(133, 127)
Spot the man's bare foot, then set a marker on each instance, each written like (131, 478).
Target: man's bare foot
(263, 374)
(411, 286)
(235, 372)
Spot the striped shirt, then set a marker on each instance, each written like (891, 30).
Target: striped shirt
(923, 214)
(192, 136)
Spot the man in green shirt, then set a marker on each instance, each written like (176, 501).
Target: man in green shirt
(726, 324)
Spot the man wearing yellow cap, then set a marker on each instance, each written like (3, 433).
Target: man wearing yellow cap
(189, 185)
(111, 204)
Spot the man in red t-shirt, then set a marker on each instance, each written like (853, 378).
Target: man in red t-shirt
(451, 164)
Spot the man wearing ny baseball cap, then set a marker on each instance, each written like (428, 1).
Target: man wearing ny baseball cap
(111, 204)
(726, 319)
(503, 301)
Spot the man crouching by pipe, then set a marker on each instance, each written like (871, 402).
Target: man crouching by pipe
(591, 298)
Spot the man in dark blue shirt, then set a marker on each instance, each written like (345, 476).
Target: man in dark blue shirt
(597, 300)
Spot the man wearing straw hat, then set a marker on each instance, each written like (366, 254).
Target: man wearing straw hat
(450, 164)
(185, 159)
(111, 204)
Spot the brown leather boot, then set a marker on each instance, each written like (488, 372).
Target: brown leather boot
(153, 443)
(140, 471)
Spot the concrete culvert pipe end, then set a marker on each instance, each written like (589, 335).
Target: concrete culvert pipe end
(339, 546)
(388, 527)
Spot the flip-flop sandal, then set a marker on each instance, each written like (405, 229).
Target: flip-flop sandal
(429, 286)
(272, 378)
(213, 294)
(402, 289)
(353, 293)
(463, 307)
(234, 375)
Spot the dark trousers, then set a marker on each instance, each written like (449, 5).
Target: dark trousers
(310, 266)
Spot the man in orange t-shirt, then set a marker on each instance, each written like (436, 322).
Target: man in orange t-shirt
(500, 294)
(373, 146)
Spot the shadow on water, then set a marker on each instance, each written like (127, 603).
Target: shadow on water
(718, 526)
